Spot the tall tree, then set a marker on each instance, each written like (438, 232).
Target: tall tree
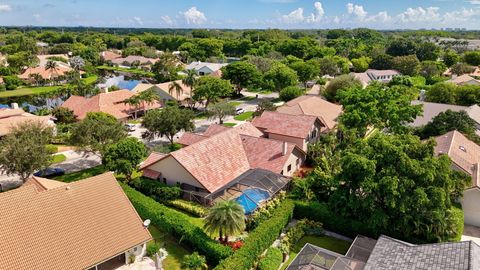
(221, 110)
(448, 121)
(166, 68)
(133, 101)
(211, 88)
(96, 132)
(242, 74)
(279, 77)
(339, 83)
(124, 156)
(190, 80)
(225, 217)
(175, 87)
(23, 151)
(306, 70)
(167, 122)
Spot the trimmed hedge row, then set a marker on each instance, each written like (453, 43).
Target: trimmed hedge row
(177, 224)
(272, 259)
(157, 190)
(259, 239)
(189, 207)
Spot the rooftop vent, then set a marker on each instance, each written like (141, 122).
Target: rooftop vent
(461, 147)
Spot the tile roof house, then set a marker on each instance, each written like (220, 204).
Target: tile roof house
(370, 75)
(464, 79)
(465, 156)
(12, 117)
(44, 58)
(132, 59)
(52, 225)
(162, 89)
(209, 162)
(109, 102)
(474, 73)
(44, 73)
(388, 253)
(205, 68)
(298, 129)
(109, 55)
(315, 106)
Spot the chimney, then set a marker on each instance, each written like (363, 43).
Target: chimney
(14, 105)
(104, 90)
(284, 148)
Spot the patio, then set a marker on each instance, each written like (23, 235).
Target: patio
(144, 264)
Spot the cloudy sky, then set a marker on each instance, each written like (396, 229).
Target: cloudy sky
(378, 14)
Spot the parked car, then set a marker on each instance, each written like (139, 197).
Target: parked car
(239, 111)
(130, 127)
(50, 172)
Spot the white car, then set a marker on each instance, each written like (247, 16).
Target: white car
(239, 111)
(130, 127)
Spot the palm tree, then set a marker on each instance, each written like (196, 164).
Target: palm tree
(52, 67)
(148, 96)
(36, 79)
(175, 86)
(190, 80)
(133, 101)
(226, 218)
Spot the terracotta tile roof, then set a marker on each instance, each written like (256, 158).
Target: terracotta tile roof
(298, 126)
(214, 129)
(464, 79)
(12, 117)
(74, 226)
(109, 55)
(248, 129)
(154, 157)
(42, 184)
(185, 94)
(266, 153)
(142, 87)
(215, 161)
(463, 152)
(315, 106)
(133, 58)
(151, 174)
(189, 138)
(111, 103)
(46, 74)
(243, 129)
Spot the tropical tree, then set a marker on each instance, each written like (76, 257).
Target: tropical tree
(225, 217)
(167, 122)
(210, 89)
(133, 101)
(448, 121)
(148, 96)
(64, 115)
(242, 74)
(279, 77)
(306, 70)
(194, 261)
(339, 83)
(124, 156)
(175, 87)
(23, 151)
(190, 80)
(291, 92)
(36, 79)
(221, 110)
(77, 63)
(264, 105)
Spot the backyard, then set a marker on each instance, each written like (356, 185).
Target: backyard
(327, 242)
(174, 249)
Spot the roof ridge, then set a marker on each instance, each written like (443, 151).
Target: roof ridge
(451, 141)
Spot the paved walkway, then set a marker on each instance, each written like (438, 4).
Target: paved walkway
(77, 161)
(471, 233)
(145, 264)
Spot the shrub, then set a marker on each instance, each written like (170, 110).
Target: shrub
(264, 212)
(322, 81)
(194, 261)
(157, 190)
(272, 259)
(259, 239)
(290, 93)
(152, 248)
(339, 83)
(189, 207)
(457, 215)
(52, 148)
(177, 224)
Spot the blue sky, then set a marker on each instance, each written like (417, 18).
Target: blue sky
(287, 14)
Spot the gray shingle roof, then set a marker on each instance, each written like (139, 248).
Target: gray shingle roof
(394, 254)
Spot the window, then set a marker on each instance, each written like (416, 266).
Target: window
(164, 180)
(289, 168)
(281, 172)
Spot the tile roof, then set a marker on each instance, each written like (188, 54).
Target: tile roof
(111, 103)
(212, 66)
(214, 129)
(142, 87)
(154, 157)
(298, 126)
(215, 161)
(463, 152)
(189, 138)
(464, 79)
(45, 74)
(134, 58)
(109, 55)
(42, 184)
(12, 117)
(430, 110)
(185, 94)
(393, 254)
(315, 106)
(72, 226)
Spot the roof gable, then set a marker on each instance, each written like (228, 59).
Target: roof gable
(298, 126)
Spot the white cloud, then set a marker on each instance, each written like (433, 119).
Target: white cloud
(382, 17)
(356, 11)
(194, 16)
(37, 17)
(297, 16)
(138, 20)
(474, 2)
(420, 14)
(294, 17)
(5, 8)
(167, 20)
(319, 12)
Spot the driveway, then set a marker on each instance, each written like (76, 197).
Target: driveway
(77, 161)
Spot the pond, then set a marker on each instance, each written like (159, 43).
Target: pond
(119, 81)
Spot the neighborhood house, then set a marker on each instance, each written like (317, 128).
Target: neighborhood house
(205, 68)
(166, 91)
(12, 117)
(370, 75)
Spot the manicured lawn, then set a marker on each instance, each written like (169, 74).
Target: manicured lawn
(70, 177)
(327, 242)
(128, 70)
(174, 249)
(229, 124)
(244, 116)
(59, 158)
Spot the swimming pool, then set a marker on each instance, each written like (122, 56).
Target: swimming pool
(250, 199)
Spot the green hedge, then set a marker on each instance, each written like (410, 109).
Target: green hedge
(157, 190)
(272, 259)
(259, 239)
(177, 224)
(459, 222)
(189, 207)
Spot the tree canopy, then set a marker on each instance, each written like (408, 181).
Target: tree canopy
(167, 122)
(124, 156)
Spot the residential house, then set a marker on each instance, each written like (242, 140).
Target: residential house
(389, 253)
(45, 74)
(298, 129)
(164, 92)
(12, 117)
(44, 58)
(314, 106)
(109, 56)
(465, 156)
(212, 162)
(474, 73)
(205, 68)
(370, 75)
(464, 79)
(88, 224)
(134, 60)
(109, 102)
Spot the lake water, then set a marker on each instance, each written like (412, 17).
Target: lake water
(119, 81)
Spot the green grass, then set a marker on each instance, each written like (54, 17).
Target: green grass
(128, 70)
(59, 158)
(229, 124)
(327, 242)
(25, 91)
(244, 116)
(135, 121)
(176, 252)
(235, 103)
(75, 176)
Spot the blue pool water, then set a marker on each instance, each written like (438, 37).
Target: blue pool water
(119, 81)
(250, 199)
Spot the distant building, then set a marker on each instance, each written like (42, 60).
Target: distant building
(370, 75)
(205, 68)
(464, 79)
(134, 60)
(12, 117)
(109, 56)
